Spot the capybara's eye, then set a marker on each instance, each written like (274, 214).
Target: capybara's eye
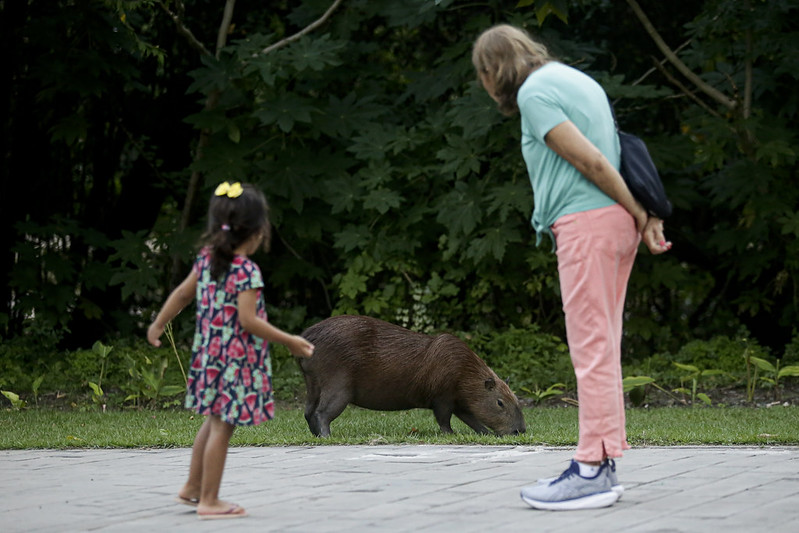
(499, 403)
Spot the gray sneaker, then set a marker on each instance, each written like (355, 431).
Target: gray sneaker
(614, 481)
(571, 491)
(615, 486)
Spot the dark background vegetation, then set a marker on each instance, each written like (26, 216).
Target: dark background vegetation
(396, 188)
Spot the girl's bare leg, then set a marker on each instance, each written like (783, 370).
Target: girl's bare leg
(191, 490)
(213, 464)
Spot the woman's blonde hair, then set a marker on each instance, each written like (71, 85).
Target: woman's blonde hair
(507, 55)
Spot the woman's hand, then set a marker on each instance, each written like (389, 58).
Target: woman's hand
(653, 236)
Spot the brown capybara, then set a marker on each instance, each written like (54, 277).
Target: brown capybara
(376, 365)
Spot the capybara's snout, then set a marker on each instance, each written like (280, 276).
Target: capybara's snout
(499, 409)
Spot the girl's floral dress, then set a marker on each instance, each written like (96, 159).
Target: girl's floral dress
(231, 373)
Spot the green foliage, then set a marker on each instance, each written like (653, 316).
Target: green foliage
(396, 188)
(97, 376)
(101, 351)
(15, 400)
(773, 373)
(528, 359)
(695, 375)
(148, 383)
(539, 395)
(718, 361)
(287, 379)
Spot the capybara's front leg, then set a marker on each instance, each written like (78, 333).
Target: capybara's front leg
(472, 422)
(443, 414)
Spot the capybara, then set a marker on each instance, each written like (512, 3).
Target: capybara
(377, 365)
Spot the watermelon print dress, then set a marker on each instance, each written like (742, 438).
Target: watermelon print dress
(231, 373)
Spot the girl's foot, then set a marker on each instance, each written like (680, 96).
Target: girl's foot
(187, 501)
(187, 496)
(220, 510)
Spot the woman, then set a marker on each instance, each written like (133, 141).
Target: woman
(571, 148)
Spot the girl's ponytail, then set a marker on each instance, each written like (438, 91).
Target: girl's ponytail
(236, 213)
(220, 240)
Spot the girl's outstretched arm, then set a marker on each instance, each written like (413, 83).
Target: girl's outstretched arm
(261, 328)
(180, 298)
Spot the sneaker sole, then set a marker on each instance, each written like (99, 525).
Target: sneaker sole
(593, 501)
(618, 489)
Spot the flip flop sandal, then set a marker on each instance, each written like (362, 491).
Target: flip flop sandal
(234, 512)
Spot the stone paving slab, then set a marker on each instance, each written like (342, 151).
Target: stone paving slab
(460, 489)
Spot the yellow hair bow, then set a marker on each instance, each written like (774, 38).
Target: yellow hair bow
(230, 190)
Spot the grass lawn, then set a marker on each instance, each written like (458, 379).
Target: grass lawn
(44, 428)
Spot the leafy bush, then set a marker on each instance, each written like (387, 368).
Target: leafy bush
(287, 379)
(720, 353)
(528, 359)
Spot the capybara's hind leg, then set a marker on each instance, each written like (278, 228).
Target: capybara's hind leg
(315, 425)
(312, 393)
(331, 405)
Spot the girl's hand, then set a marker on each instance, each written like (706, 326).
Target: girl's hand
(300, 347)
(154, 334)
(653, 236)
(177, 300)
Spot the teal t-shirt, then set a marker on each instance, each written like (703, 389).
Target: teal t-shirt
(553, 94)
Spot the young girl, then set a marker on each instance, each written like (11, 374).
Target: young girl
(230, 377)
(571, 149)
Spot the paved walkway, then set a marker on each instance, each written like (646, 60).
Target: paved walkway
(459, 489)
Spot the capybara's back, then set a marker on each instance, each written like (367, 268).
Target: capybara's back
(382, 366)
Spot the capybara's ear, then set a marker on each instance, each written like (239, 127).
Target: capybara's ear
(490, 384)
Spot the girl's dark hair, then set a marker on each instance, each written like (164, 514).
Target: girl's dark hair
(233, 221)
(507, 55)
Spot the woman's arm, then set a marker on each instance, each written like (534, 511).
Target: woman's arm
(175, 303)
(568, 141)
(261, 328)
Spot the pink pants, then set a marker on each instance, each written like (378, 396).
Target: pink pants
(596, 250)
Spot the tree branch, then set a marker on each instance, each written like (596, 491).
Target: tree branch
(304, 31)
(210, 103)
(184, 30)
(224, 27)
(748, 80)
(659, 66)
(703, 86)
(195, 180)
(661, 63)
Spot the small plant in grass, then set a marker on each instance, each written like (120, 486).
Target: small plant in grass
(539, 395)
(695, 375)
(636, 387)
(16, 402)
(35, 388)
(102, 351)
(772, 378)
(148, 383)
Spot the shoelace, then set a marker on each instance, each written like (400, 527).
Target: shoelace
(573, 469)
